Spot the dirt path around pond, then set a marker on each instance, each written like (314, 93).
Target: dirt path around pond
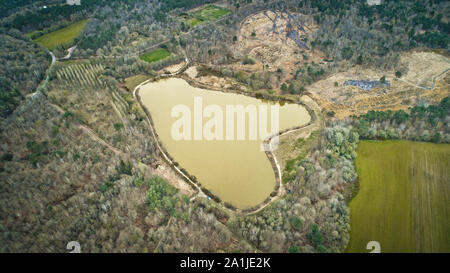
(315, 123)
(160, 148)
(161, 170)
(305, 131)
(185, 184)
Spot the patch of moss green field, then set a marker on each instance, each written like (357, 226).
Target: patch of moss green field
(64, 36)
(404, 197)
(192, 22)
(155, 55)
(207, 13)
(212, 12)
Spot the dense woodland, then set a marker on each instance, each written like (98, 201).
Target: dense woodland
(63, 186)
(313, 216)
(375, 34)
(35, 17)
(9, 7)
(420, 123)
(23, 65)
(348, 30)
(58, 183)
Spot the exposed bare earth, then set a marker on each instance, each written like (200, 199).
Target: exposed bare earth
(264, 37)
(423, 67)
(422, 70)
(173, 68)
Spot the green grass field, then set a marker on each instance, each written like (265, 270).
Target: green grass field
(404, 197)
(64, 36)
(207, 13)
(155, 55)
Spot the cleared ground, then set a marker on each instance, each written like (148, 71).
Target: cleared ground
(264, 37)
(155, 55)
(420, 70)
(404, 197)
(424, 67)
(64, 36)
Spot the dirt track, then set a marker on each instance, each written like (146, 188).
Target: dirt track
(305, 100)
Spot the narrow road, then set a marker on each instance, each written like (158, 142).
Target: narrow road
(47, 77)
(69, 54)
(38, 92)
(90, 132)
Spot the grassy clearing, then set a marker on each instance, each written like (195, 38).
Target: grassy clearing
(404, 197)
(193, 22)
(133, 81)
(207, 13)
(155, 55)
(64, 36)
(292, 150)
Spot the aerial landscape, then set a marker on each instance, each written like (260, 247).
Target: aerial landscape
(233, 126)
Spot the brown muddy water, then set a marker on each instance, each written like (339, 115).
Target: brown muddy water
(237, 171)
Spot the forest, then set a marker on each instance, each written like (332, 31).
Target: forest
(23, 65)
(77, 162)
(36, 17)
(419, 123)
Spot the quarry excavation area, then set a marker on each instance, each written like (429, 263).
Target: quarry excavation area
(276, 39)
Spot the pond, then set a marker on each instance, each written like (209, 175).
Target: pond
(234, 167)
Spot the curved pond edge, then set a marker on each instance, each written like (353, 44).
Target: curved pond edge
(192, 180)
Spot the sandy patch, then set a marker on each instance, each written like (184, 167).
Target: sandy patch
(191, 72)
(404, 92)
(423, 67)
(173, 68)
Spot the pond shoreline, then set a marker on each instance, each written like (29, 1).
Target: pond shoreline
(191, 180)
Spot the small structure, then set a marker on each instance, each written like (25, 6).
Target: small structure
(374, 2)
(367, 85)
(73, 2)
